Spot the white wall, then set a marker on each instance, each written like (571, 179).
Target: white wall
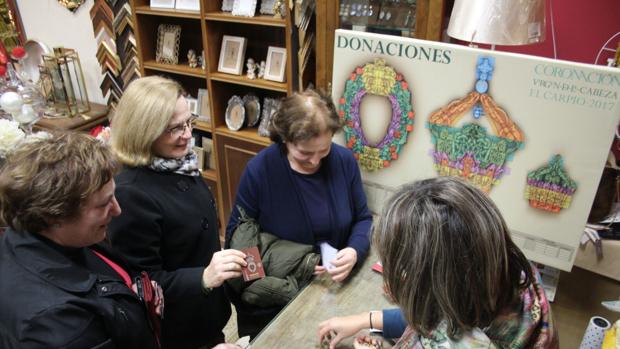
(53, 24)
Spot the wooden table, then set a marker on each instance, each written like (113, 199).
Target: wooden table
(97, 115)
(297, 326)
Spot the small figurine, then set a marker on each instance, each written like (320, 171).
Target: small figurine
(192, 59)
(203, 61)
(261, 69)
(251, 65)
(277, 9)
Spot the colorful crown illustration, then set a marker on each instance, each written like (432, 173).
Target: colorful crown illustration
(549, 188)
(470, 152)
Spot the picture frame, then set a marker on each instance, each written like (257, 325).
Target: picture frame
(244, 8)
(251, 103)
(207, 146)
(266, 7)
(200, 157)
(192, 104)
(276, 64)
(235, 113)
(162, 3)
(232, 54)
(227, 5)
(189, 5)
(168, 38)
(204, 113)
(270, 106)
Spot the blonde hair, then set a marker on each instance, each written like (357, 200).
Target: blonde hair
(49, 179)
(447, 256)
(142, 114)
(303, 116)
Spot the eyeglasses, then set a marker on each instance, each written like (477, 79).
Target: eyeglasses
(179, 130)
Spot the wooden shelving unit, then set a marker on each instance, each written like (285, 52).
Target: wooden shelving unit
(256, 83)
(204, 29)
(175, 68)
(263, 20)
(147, 10)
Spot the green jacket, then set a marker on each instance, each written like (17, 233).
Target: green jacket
(288, 265)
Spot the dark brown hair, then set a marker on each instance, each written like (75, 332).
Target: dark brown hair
(447, 256)
(303, 116)
(49, 179)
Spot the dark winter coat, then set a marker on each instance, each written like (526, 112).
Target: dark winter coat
(288, 265)
(168, 227)
(48, 300)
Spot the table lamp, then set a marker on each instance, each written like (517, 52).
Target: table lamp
(498, 22)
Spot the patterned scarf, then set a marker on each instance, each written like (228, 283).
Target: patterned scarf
(526, 324)
(187, 165)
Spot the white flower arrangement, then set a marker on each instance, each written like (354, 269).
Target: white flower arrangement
(11, 136)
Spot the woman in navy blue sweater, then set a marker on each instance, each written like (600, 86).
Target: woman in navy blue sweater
(306, 189)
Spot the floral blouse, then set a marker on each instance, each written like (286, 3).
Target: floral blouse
(526, 324)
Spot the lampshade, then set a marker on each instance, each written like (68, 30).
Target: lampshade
(498, 22)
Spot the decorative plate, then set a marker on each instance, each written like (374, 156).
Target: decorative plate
(35, 49)
(235, 113)
(252, 109)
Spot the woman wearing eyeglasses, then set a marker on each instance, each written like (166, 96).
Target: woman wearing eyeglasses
(169, 222)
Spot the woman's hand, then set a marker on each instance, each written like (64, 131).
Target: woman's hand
(225, 264)
(159, 299)
(339, 328)
(319, 269)
(343, 264)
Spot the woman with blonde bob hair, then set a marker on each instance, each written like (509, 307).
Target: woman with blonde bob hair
(169, 223)
(59, 287)
(459, 280)
(144, 111)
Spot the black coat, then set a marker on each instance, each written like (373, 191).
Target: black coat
(48, 300)
(168, 226)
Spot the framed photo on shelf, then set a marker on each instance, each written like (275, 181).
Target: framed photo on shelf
(207, 146)
(168, 38)
(232, 53)
(227, 5)
(251, 103)
(191, 5)
(162, 3)
(245, 8)
(276, 64)
(200, 157)
(204, 114)
(266, 7)
(192, 103)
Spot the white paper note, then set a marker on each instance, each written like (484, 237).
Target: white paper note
(328, 254)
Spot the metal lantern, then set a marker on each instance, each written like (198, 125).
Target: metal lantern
(63, 83)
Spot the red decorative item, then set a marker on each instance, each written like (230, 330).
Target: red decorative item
(95, 131)
(18, 52)
(4, 59)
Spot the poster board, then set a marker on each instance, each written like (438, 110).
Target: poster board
(556, 107)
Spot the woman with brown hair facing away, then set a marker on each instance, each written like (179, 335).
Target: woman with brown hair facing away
(459, 280)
